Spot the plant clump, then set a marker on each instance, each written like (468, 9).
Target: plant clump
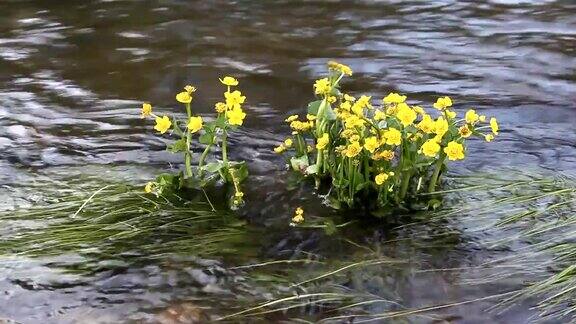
(229, 116)
(377, 154)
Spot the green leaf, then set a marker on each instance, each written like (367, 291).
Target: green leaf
(312, 169)
(313, 107)
(330, 228)
(213, 167)
(176, 128)
(177, 146)
(207, 138)
(241, 171)
(299, 163)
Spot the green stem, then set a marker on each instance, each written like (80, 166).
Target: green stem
(436, 173)
(224, 148)
(405, 184)
(203, 157)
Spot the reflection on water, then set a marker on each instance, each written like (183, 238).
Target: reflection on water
(72, 75)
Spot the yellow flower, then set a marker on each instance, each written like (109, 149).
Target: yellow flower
(195, 124)
(162, 124)
(430, 148)
(184, 97)
(394, 98)
(393, 136)
(353, 121)
(322, 141)
(471, 116)
(443, 103)
(333, 65)
(291, 118)
(236, 116)
(371, 144)
(288, 142)
(220, 107)
(298, 216)
(482, 118)
(465, 131)
(349, 98)
(489, 137)
(455, 151)
(379, 115)
(405, 114)
(146, 110)
(352, 150)
(234, 99)
(381, 178)
(332, 99)
(358, 109)
(301, 126)
(384, 155)
(310, 117)
(427, 124)
(190, 89)
(229, 81)
(346, 105)
(322, 87)
(451, 114)
(440, 126)
(279, 149)
(494, 125)
(419, 110)
(148, 188)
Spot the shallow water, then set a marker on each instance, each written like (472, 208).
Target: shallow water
(73, 75)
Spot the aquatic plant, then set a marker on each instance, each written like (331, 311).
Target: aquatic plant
(385, 152)
(230, 116)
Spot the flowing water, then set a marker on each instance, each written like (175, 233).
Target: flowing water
(74, 73)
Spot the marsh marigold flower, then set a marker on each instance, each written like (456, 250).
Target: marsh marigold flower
(195, 124)
(220, 107)
(488, 137)
(236, 116)
(229, 81)
(394, 98)
(190, 89)
(443, 103)
(148, 188)
(184, 97)
(379, 115)
(405, 115)
(451, 114)
(381, 178)
(288, 142)
(471, 116)
(352, 150)
(348, 97)
(371, 144)
(291, 118)
(427, 124)
(146, 110)
(392, 136)
(494, 125)
(430, 148)
(162, 124)
(322, 86)
(234, 99)
(455, 151)
(384, 155)
(298, 216)
(440, 126)
(279, 149)
(465, 131)
(323, 141)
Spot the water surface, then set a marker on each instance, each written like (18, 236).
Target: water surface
(74, 73)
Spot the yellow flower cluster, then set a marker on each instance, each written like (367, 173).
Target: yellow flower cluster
(215, 132)
(359, 145)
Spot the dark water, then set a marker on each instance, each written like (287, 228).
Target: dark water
(73, 75)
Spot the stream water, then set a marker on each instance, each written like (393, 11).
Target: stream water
(73, 75)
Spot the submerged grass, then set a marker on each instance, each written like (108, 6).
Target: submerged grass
(532, 217)
(119, 221)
